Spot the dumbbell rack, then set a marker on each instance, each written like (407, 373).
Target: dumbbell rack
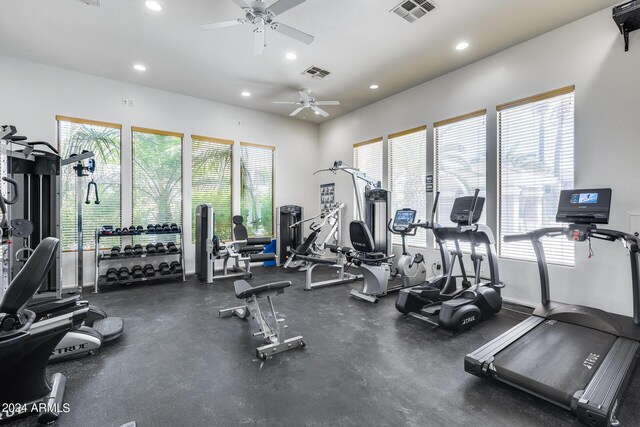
(103, 256)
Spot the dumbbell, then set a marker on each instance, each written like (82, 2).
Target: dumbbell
(164, 268)
(128, 250)
(149, 271)
(151, 248)
(176, 267)
(171, 247)
(174, 228)
(151, 228)
(139, 229)
(160, 248)
(125, 231)
(115, 252)
(137, 249)
(136, 272)
(118, 231)
(112, 275)
(107, 230)
(166, 228)
(123, 273)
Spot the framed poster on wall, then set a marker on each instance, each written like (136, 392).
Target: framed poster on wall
(327, 196)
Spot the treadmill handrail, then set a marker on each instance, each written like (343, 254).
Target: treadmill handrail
(630, 242)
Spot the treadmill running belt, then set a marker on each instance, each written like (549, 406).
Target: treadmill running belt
(554, 360)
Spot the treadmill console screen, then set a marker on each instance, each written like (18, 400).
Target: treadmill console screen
(584, 206)
(403, 219)
(462, 207)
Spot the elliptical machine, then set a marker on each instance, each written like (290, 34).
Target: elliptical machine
(459, 309)
(410, 268)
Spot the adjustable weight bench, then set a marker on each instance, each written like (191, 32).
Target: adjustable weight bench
(271, 328)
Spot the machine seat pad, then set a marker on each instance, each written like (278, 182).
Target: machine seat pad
(262, 257)
(250, 248)
(244, 289)
(317, 260)
(373, 256)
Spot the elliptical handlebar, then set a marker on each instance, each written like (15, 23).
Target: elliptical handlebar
(472, 208)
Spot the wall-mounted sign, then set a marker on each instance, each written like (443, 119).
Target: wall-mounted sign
(429, 183)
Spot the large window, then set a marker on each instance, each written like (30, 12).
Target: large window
(103, 139)
(535, 137)
(256, 188)
(367, 157)
(460, 161)
(211, 165)
(157, 177)
(407, 172)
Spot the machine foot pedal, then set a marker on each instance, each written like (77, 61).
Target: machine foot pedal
(110, 328)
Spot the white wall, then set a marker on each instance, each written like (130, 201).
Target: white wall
(588, 53)
(33, 94)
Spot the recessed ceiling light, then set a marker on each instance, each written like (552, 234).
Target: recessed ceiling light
(140, 67)
(374, 87)
(246, 94)
(462, 46)
(153, 5)
(291, 56)
(317, 114)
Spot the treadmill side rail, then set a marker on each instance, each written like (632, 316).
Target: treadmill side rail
(477, 363)
(598, 404)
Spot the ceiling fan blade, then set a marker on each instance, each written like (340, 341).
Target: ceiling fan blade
(328, 102)
(285, 102)
(258, 40)
(282, 6)
(292, 32)
(242, 4)
(320, 111)
(223, 24)
(296, 111)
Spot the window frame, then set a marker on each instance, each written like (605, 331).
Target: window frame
(273, 182)
(151, 131)
(90, 122)
(230, 143)
(512, 104)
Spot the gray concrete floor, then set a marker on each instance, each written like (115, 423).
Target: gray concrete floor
(178, 364)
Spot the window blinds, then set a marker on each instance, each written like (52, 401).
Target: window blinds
(157, 177)
(103, 139)
(536, 139)
(368, 158)
(407, 173)
(460, 161)
(211, 181)
(256, 188)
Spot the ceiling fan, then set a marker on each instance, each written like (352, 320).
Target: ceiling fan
(258, 14)
(307, 101)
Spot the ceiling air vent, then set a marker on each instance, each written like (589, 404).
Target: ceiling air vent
(315, 72)
(91, 2)
(412, 10)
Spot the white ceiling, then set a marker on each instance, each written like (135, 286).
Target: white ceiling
(359, 41)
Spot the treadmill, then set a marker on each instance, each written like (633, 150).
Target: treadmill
(577, 357)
